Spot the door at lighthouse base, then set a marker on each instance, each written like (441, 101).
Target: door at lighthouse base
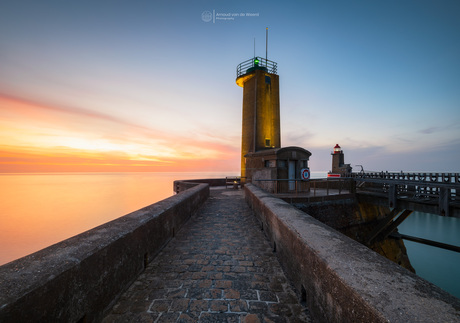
(291, 175)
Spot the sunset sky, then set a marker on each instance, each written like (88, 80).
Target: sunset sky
(144, 85)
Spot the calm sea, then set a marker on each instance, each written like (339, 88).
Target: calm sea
(437, 265)
(38, 210)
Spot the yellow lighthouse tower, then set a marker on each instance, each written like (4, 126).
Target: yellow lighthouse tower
(261, 107)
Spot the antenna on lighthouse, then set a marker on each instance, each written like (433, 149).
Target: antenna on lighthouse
(266, 45)
(254, 47)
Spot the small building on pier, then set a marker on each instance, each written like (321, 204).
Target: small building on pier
(277, 169)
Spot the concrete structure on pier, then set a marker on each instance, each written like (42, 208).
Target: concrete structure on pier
(271, 165)
(261, 155)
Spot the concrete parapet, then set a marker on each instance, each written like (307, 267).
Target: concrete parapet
(78, 279)
(342, 280)
(182, 185)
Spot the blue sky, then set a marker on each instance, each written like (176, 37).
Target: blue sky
(381, 78)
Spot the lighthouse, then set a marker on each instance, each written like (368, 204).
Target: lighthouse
(339, 168)
(264, 162)
(261, 107)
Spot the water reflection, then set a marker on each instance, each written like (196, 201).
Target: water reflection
(38, 210)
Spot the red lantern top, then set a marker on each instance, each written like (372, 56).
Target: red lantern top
(337, 149)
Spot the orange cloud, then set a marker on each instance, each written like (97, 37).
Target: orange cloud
(37, 138)
(31, 160)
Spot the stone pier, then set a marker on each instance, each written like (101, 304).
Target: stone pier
(212, 254)
(218, 268)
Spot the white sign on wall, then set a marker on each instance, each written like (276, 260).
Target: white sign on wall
(305, 174)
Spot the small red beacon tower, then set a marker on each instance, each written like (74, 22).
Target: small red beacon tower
(339, 168)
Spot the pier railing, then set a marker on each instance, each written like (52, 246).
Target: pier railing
(313, 187)
(441, 189)
(256, 62)
(453, 178)
(437, 193)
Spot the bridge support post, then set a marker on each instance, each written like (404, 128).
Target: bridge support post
(353, 186)
(387, 225)
(392, 196)
(444, 201)
(381, 226)
(457, 181)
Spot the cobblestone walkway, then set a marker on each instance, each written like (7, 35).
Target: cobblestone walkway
(219, 268)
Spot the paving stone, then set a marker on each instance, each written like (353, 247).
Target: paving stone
(207, 283)
(244, 285)
(258, 307)
(230, 276)
(218, 306)
(231, 294)
(139, 305)
(188, 318)
(173, 284)
(275, 319)
(168, 317)
(198, 305)
(179, 305)
(251, 318)
(246, 263)
(219, 317)
(223, 284)
(154, 294)
(258, 286)
(196, 293)
(215, 276)
(249, 294)
(176, 293)
(137, 318)
(213, 294)
(199, 275)
(218, 268)
(267, 296)
(160, 305)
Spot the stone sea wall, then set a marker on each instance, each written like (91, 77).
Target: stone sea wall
(339, 279)
(77, 279)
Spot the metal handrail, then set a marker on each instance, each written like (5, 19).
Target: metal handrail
(412, 176)
(270, 66)
(309, 182)
(403, 182)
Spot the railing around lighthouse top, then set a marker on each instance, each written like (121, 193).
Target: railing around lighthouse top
(255, 63)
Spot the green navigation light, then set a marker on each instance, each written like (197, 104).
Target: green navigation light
(256, 61)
